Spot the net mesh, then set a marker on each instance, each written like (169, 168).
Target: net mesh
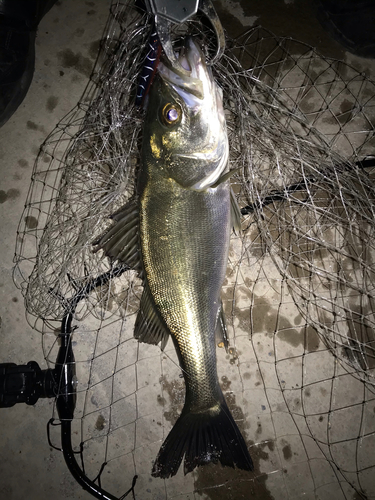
(299, 291)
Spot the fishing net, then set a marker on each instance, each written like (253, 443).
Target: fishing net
(299, 293)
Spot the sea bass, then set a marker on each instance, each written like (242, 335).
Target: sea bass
(176, 232)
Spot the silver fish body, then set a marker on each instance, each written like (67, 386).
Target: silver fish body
(185, 219)
(184, 246)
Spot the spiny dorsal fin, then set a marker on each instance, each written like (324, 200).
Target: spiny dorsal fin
(149, 326)
(121, 241)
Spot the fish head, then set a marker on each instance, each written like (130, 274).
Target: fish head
(185, 134)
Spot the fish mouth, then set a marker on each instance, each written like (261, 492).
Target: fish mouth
(189, 86)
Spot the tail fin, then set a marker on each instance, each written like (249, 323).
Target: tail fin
(212, 436)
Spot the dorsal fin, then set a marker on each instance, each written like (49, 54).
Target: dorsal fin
(149, 326)
(121, 241)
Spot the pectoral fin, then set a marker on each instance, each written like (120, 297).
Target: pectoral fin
(235, 209)
(225, 177)
(120, 242)
(149, 326)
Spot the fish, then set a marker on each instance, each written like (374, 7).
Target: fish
(176, 233)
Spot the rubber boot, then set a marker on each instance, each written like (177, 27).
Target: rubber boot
(19, 21)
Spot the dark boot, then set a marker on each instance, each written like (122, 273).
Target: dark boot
(19, 21)
(350, 22)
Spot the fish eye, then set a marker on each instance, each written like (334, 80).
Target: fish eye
(171, 114)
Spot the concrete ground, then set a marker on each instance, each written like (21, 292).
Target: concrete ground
(66, 48)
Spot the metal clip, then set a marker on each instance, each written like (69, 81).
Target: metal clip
(169, 12)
